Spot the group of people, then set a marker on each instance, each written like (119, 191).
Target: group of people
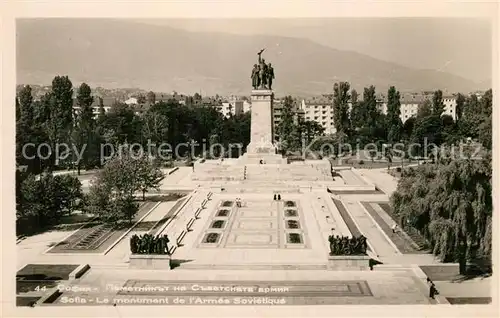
(238, 202)
(262, 74)
(277, 197)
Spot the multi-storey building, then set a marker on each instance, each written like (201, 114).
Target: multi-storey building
(231, 107)
(320, 110)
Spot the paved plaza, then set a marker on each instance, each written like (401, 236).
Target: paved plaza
(243, 237)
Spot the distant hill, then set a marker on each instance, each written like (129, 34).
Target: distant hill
(120, 53)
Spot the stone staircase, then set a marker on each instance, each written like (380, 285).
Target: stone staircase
(290, 172)
(218, 171)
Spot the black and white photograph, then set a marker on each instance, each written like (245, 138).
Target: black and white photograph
(172, 163)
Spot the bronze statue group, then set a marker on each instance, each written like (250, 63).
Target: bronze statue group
(262, 74)
(344, 245)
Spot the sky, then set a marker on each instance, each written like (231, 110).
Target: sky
(461, 46)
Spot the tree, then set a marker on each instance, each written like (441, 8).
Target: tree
(85, 129)
(43, 200)
(408, 128)
(437, 103)
(141, 99)
(286, 125)
(485, 128)
(310, 130)
(393, 115)
(459, 109)
(450, 203)
(341, 99)
(424, 109)
(427, 131)
(356, 114)
(59, 107)
(122, 124)
(111, 193)
(370, 106)
(25, 131)
(151, 97)
(149, 176)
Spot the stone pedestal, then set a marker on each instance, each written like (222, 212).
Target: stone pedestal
(349, 263)
(144, 261)
(261, 147)
(261, 129)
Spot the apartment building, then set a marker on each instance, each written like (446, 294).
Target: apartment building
(231, 107)
(320, 110)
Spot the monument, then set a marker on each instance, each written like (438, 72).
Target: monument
(261, 148)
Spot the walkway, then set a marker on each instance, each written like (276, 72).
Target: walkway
(365, 224)
(381, 179)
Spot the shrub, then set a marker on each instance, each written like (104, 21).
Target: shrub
(361, 162)
(398, 169)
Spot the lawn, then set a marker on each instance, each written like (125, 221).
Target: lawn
(97, 237)
(403, 244)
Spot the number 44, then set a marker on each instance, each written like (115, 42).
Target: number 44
(43, 288)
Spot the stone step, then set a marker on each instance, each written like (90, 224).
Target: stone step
(187, 266)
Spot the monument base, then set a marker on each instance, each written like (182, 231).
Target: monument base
(262, 158)
(145, 261)
(349, 263)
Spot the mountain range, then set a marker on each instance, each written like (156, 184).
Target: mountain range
(121, 53)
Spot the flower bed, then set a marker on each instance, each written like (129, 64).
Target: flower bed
(292, 224)
(223, 213)
(211, 238)
(218, 224)
(294, 238)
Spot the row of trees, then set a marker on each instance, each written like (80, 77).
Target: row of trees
(363, 122)
(51, 120)
(44, 199)
(450, 204)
